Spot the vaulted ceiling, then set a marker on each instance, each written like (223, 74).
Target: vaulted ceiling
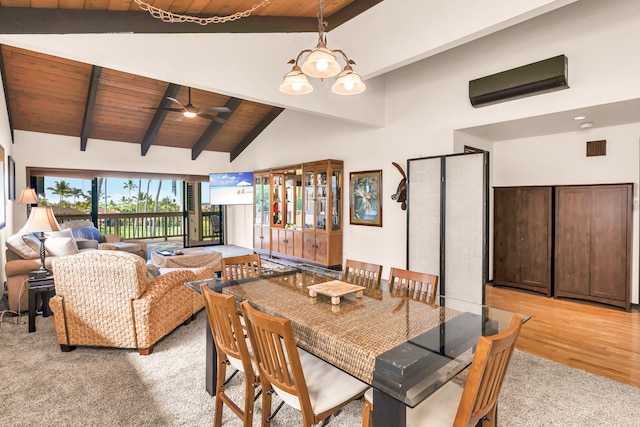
(60, 96)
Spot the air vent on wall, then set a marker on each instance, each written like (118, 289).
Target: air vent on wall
(597, 148)
(533, 79)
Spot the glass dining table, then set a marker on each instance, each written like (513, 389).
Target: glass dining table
(404, 348)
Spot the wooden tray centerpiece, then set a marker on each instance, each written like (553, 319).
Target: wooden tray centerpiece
(335, 289)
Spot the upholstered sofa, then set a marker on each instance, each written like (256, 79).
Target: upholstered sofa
(105, 298)
(84, 229)
(23, 256)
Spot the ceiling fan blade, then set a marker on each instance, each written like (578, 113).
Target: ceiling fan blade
(174, 110)
(213, 118)
(176, 101)
(214, 110)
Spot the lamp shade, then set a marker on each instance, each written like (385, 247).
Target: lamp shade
(348, 83)
(321, 63)
(28, 196)
(41, 219)
(296, 83)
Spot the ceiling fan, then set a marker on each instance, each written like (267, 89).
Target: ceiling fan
(190, 111)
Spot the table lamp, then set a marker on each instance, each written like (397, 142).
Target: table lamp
(28, 197)
(41, 220)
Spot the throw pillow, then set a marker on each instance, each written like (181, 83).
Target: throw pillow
(18, 244)
(60, 243)
(32, 241)
(89, 233)
(152, 272)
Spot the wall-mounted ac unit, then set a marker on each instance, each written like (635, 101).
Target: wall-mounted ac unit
(533, 79)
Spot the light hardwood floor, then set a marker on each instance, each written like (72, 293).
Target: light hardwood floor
(601, 340)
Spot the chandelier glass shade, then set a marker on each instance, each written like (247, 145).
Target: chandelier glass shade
(295, 82)
(321, 63)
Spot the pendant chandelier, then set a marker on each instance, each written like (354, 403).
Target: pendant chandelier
(321, 63)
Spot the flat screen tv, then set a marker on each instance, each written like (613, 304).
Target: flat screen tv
(232, 188)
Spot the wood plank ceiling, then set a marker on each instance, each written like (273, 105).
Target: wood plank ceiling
(54, 95)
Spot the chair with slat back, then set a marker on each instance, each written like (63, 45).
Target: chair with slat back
(362, 273)
(452, 405)
(241, 267)
(303, 381)
(225, 328)
(414, 285)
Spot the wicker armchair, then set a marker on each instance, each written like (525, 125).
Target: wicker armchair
(103, 298)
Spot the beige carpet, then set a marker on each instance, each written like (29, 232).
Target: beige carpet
(109, 387)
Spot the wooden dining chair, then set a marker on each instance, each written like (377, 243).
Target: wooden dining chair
(414, 285)
(454, 406)
(303, 381)
(241, 267)
(225, 329)
(362, 273)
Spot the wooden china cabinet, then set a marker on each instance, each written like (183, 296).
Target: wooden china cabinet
(298, 212)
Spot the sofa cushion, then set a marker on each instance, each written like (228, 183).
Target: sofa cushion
(122, 246)
(60, 243)
(88, 233)
(26, 246)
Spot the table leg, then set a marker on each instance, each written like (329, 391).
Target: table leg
(388, 411)
(211, 367)
(46, 296)
(32, 310)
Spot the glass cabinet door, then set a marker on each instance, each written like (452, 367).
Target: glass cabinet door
(289, 201)
(265, 192)
(277, 192)
(298, 199)
(257, 191)
(309, 199)
(336, 186)
(321, 207)
(293, 199)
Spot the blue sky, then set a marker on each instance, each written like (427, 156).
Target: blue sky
(116, 190)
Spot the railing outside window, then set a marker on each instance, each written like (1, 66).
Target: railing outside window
(149, 225)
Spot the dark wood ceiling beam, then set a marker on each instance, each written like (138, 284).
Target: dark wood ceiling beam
(24, 20)
(253, 133)
(215, 126)
(158, 118)
(94, 83)
(6, 92)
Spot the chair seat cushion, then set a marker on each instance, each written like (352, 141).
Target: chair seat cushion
(438, 410)
(328, 386)
(237, 363)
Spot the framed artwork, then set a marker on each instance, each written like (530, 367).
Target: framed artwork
(365, 205)
(3, 198)
(11, 178)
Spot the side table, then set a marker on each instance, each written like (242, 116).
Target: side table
(36, 286)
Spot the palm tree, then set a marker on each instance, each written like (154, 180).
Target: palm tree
(75, 193)
(130, 185)
(61, 189)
